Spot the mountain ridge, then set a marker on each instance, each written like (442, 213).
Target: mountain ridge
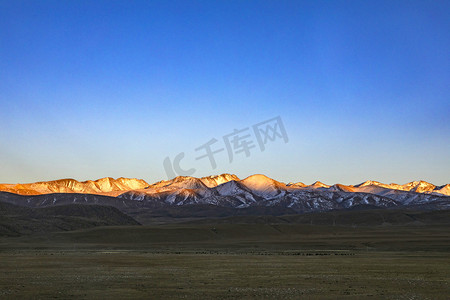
(110, 185)
(227, 190)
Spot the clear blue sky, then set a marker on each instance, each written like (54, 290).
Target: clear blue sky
(90, 89)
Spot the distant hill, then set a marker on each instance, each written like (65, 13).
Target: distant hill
(18, 220)
(369, 217)
(173, 214)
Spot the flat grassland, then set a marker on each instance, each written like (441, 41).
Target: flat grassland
(229, 261)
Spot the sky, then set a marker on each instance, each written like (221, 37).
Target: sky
(92, 89)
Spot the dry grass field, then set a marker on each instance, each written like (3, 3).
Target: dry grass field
(228, 261)
(140, 275)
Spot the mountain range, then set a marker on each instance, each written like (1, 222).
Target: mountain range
(227, 191)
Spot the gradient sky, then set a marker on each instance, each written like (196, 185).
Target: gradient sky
(90, 89)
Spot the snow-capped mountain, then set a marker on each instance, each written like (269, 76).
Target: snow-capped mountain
(228, 190)
(264, 186)
(106, 185)
(414, 186)
(212, 181)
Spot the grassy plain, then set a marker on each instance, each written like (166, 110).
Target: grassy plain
(229, 261)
